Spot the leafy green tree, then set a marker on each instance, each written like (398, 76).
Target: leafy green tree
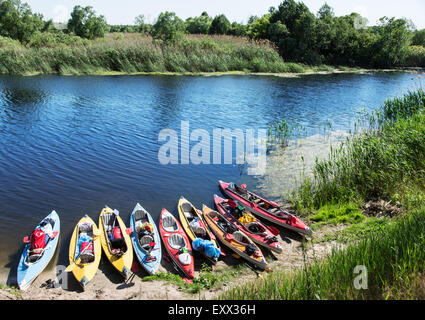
(326, 13)
(168, 27)
(85, 24)
(278, 33)
(300, 23)
(199, 25)
(238, 30)
(17, 20)
(259, 28)
(394, 41)
(419, 38)
(220, 25)
(141, 25)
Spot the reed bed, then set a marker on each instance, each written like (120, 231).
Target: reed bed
(119, 53)
(385, 159)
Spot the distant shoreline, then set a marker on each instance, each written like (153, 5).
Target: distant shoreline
(219, 74)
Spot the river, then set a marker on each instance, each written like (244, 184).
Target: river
(74, 144)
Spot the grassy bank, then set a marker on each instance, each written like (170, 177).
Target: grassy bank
(394, 259)
(385, 161)
(133, 54)
(137, 54)
(382, 163)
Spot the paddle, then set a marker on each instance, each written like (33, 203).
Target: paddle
(273, 230)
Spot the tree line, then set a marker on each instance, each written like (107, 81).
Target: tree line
(298, 34)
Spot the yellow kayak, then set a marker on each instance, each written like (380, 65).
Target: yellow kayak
(194, 225)
(116, 242)
(89, 259)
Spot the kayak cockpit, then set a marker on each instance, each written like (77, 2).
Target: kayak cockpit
(114, 234)
(84, 248)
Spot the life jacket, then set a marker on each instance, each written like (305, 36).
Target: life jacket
(246, 218)
(116, 233)
(37, 242)
(147, 226)
(88, 245)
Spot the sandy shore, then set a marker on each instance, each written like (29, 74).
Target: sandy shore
(109, 285)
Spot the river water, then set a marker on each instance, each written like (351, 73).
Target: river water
(74, 144)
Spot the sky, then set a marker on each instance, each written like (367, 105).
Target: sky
(124, 11)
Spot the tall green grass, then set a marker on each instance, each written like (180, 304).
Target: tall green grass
(393, 258)
(385, 159)
(192, 55)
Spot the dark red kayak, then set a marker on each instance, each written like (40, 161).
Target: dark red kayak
(176, 243)
(246, 222)
(263, 208)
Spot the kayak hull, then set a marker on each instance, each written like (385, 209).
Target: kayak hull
(291, 223)
(27, 274)
(190, 233)
(233, 245)
(167, 233)
(85, 272)
(260, 239)
(152, 266)
(121, 263)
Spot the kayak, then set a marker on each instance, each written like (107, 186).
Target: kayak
(265, 209)
(84, 259)
(195, 226)
(146, 240)
(35, 258)
(262, 235)
(233, 238)
(176, 243)
(115, 240)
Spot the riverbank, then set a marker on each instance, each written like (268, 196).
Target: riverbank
(140, 55)
(228, 273)
(375, 182)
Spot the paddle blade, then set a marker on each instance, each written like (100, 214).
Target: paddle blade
(273, 230)
(70, 267)
(73, 265)
(232, 203)
(229, 237)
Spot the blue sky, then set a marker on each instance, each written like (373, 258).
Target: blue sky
(124, 11)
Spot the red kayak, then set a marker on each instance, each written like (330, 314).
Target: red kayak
(176, 243)
(263, 208)
(246, 222)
